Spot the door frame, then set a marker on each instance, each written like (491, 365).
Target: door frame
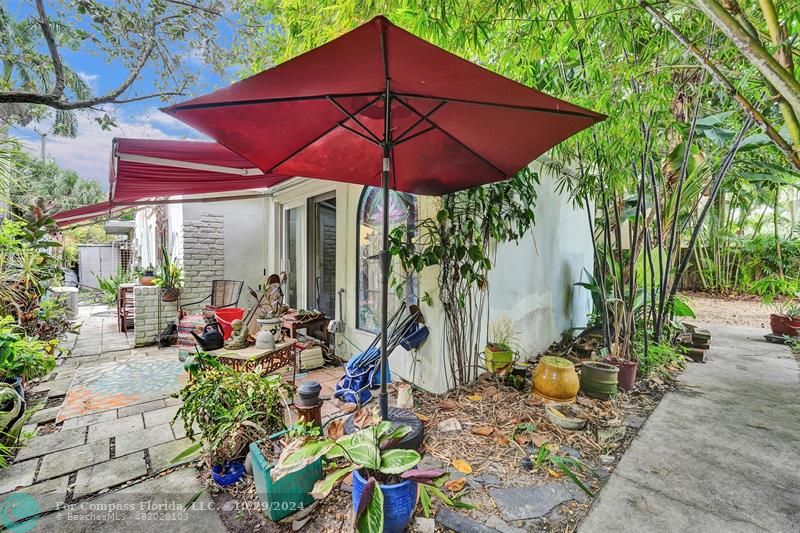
(311, 236)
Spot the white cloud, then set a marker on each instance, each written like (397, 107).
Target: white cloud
(90, 152)
(90, 79)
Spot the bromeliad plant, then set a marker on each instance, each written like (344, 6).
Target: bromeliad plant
(369, 451)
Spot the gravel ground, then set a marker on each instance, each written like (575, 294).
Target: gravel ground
(731, 310)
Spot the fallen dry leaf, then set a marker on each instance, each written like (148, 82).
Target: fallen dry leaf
(423, 417)
(501, 440)
(522, 439)
(475, 397)
(448, 404)
(483, 430)
(362, 418)
(336, 428)
(462, 466)
(534, 402)
(553, 472)
(455, 485)
(349, 407)
(539, 439)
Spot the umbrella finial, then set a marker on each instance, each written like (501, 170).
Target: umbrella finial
(381, 23)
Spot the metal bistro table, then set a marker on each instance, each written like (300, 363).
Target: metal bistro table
(258, 359)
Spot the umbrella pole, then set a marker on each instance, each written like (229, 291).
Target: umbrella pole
(387, 164)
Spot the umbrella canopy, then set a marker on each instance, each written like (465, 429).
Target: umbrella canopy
(379, 106)
(87, 212)
(454, 125)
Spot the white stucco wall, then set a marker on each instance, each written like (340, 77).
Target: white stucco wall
(533, 282)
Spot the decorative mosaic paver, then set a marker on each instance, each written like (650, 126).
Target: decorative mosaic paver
(120, 384)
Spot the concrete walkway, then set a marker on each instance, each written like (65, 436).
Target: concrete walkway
(721, 454)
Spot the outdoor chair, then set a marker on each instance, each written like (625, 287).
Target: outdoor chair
(224, 293)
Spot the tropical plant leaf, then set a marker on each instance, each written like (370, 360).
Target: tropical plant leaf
(561, 463)
(299, 454)
(398, 461)
(324, 487)
(425, 501)
(423, 476)
(371, 519)
(358, 447)
(682, 309)
(188, 452)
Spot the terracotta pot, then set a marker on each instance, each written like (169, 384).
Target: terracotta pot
(599, 380)
(626, 378)
(147, 280)
(555, 379)
(783, 325)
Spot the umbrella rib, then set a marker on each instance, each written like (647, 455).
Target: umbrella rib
(352, 117)
(506, 106)
(356, 132)
(454, 139)
(413, 135)
(211, 105)
(399, 138)
(320, 136)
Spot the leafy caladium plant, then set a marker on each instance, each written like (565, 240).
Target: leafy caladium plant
(368, 449)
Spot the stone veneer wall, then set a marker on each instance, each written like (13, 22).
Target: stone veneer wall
(203, 255)
(145, 319)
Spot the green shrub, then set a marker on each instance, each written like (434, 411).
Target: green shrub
(659, 355)
(21, 355)
(231, 409)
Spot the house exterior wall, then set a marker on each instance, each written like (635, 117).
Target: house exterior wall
(533, 281)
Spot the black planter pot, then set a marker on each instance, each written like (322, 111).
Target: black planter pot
(17, 384)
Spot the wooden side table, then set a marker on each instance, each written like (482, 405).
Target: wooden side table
(253, 359)
(291, 324)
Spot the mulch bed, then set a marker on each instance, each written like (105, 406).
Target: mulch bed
(499, 427)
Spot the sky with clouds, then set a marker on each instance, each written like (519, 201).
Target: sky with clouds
(89, 153)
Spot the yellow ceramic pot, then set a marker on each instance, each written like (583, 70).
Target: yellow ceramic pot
(555, 379)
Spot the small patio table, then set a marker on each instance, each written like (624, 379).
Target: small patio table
(292, 322)
(253, 359)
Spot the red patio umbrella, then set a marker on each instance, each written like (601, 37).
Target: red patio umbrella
(379, 106)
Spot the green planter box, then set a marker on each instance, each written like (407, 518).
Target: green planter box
(289, 494)
(497, 360)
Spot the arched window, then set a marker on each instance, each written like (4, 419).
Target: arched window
(402, 210)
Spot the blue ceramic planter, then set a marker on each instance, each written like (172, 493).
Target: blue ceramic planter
(399, 502)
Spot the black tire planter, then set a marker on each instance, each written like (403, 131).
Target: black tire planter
(399, 417)
(599, 380)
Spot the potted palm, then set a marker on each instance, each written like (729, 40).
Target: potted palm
(386, 483)
(499, 352)
(170, 276)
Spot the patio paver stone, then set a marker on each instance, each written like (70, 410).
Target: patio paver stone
(48, 495)
(17, 475)
(53, 442)
(529, 502)
(109, 474)
(115, 428)
(144, 438)
(43, 416)
(160, 416)
(161, 456)
(73, 459)
(140, 408)
(88, 420)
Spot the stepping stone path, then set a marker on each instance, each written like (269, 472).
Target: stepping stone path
(530, 502)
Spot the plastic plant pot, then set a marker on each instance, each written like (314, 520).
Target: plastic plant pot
(228, 474)
(627, 372)
(289, 494)
(599, 380)
(399, 502)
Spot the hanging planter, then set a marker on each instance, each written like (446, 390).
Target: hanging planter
(599, 380)
(170, 294)
(555, 379)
